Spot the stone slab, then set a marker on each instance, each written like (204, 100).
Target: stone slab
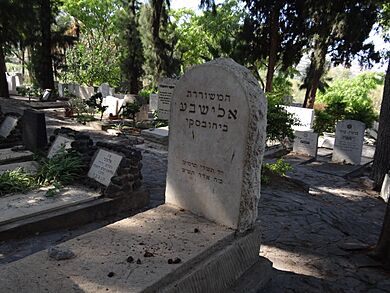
(29, 167)
(349, 142)
(8, 156)
(216, 143)
(107, 250)
(306, 143)
(59, 143)
(8, 125)
(385, 191)
(159, 135)
(104, 166)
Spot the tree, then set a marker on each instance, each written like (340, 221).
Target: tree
(338, 29)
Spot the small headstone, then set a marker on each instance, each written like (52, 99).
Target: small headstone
(104, 166)
(112, 104)
(61, 89)
(306, 143)
(8, 125)
(165, 92)
(46, 95)
(304, 115)
(34, 130)
(104, 89)
(216, 143)
(59, 143)
(348, 144)
(385, 191)
(153, 102)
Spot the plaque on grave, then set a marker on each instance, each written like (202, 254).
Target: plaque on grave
(104, 166)
(348, 144)
(165, 92)
(216, 143)
(305, 143)
(59, 143)
(8, 125)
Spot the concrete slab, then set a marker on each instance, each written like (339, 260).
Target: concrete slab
(46, 105)
(29, 167)
(9, 156)
(16, 206)
(103, 256)
(159, 135)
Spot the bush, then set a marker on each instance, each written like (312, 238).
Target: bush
(13, 181)
(279, 168)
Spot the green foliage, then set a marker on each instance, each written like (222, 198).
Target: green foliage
(279, 168)
(130, 109)
(96, 102)
(13, 181)
(63, 168)
(29, 91)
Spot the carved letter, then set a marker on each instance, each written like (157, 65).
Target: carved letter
(227, 98)
(196, 94)
(191, 123)
(220, 97)
(232, 114)
(193, 108)
(225, 128)
(188, 94)
(203, 109)
(200, 93)
(216, 126)
(204, 124)
(183, 106)
(212, 97)
(221, 109)
(197, 122)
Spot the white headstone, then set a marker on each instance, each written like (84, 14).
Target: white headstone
(165, 92)
(8, 125)
(86, 92)
(104, 166)
(153, 102)
(304, 115)
(216, 143)
(112, 104)
(385, 191)
(46, 95)
(306, 143)
(348, 144)
(105, 89)
(59, 142)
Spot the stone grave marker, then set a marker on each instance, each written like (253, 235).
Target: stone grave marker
(61, 89)
(165, 92)
(46, 95)
(385, 190)
(216, 143)
(348, 144)
(153, 102)
(105, 89)
(305, 116)
(104, 166)
(34, 130)
(305, 143)
(112, 104)
(60, 141)
(8, 125)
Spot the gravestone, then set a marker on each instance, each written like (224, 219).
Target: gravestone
(385, 190)
(306, 143)
(216, 143)
(105, 90)
(34, 130)
(153, 102)
(61, 89)
(59, 143)
(348, 144)
(165, 92)
(304, 115)
(104, 166)
(8, 125)
(112, 105)
(46, 95)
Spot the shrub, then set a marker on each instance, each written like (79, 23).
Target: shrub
(279, 168)
(12, 181)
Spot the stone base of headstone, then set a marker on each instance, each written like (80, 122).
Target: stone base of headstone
(146, 253)
(14, 155)
(159, 135)
(385, 191)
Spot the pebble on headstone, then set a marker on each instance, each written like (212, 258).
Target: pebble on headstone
(306, 143)
(8, 125)
(348, 145)
(216, 143)
(34, 130)
(104, 166)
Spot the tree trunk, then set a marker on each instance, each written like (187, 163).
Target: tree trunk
(3, 79)
(47, 80)
(381, 163)
(319, 58)
(273, 48)
(382, 249)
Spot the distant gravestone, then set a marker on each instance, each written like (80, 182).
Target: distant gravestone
(104, 89)
(165, 92)
(304, 115)
(153, 102)
(8, 125)
(112, 105)
(306, 143)
(46, 95)
(61, 89)
(216, 143)
(385, 191)
(348, 144)
(34, 130)
(59, 143)
(104, 166)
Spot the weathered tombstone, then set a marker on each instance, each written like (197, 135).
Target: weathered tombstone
(11, 80)
(61, 90)
(104, 89)
(8, 125)
(46, 95)
(348, 145)
(112, 105)
(385, 191)
(153, 102)
(86, 92)
(165, 92)
(216, 143)
(104, 166)
(59, 143)
(34, 130)
(306, 143)
(305, 117)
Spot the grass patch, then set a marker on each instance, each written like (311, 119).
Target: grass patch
(16, 181)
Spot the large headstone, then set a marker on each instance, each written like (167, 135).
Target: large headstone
(348, 144)
(59, 143)
(104, 166)
(216, 143)
(165, 92)
(306, 143)
(8, 125)
(304, 115)
(34, 130)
